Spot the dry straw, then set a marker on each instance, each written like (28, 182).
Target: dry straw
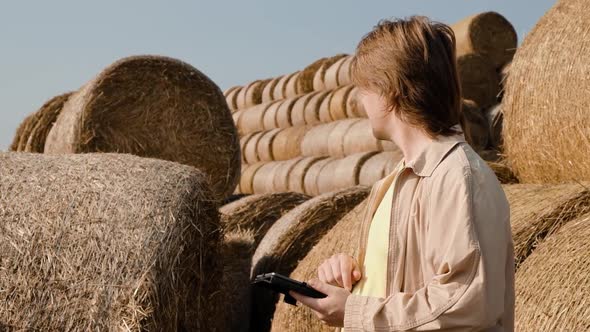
(312, 109)
(291, 238)
(319, 77)
(155, 107)
(107, 242)
(538, 210)
(23, 132)
(338, 102)
(552, 285)
(489, 34)
(342, 173)
(297, 174)
(306, 76)
(257, 213)
(340, 239)
(331, 76)
(252, 119)
(247, 178)
(479, 79)
(378, 166)
(267, 92)
(546, 105)
(287, 143)
(298, 111)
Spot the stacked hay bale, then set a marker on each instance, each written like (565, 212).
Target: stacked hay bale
(150, 106)
(290, 239)
(546, 104)
(322, 116)
(107, 242)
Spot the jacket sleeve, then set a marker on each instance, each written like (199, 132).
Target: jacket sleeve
(452, 299)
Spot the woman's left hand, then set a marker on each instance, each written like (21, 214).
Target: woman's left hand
(329, 309)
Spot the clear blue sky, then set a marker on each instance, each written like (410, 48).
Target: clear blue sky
(50, 47)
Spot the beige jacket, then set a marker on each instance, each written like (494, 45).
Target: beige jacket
(450, 260)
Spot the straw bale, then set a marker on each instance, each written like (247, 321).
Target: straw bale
(291, 238)
(292, 87)
(312, 109)
(315, 142)
(335, 138)
(495, 119)
(265, 145)
(310, 181)
(478, 78)
(231, 97)
(270, 120)
(156, 107)
(254, 92)
(344, 73)
(305, 83)
(241, 102)
(342, 173)
(339, 101)
(552, 285)
(284, 113)
(377, 167)
(538, 210)
(489, 34)
(46, 117)
(354, 106)
(319, 77)
(251, 155)
(283, 173)
(503, 172)
(267, 92)
(280, 90)
(298, 111)
(104, 242)
(546, 106)
(257, 213)
(331, 75)
(287, 143)
(360, 138)
(324, 110)
(263, 181)
(247, 178)
(340, 239)
(297, 174)
(251, 119)
(474, 124)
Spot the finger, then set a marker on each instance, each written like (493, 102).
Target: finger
(323, 287)
(305, 300)
(356, 272)
(335, 265)
(346, 271)
(328, 272)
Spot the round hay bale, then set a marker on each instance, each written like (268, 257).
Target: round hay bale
(269, 120)
(503, 172)
(227, 92)
(268, 90)
(297, 174)
(359, 138)
(236, 250)
(552, 287)
(247, 179)
(335, 138)
(263, 182)
(19, 132)
(280, 89)
(254, 92)
(344, 73)
(538, 210)
(241, 98)
(46, 117)
(331, 76)
(354, 106)
(251, 119)
(251, 148)
(154, 107)
(315, 142)
(257, 213)
(287, 143)
(324, 110)
(312, 109)
(319, 77)
(243, 143)
(284, 113)
(282, 175)
(97, 242)
(478, 78)
(298, 111)
(340, 239)
(495, 118)
(305, 83)
(376, 167)
(546, 105)
(310, 181)
(236, 117)
(231, 97)
(265, 145)
(342, 173)
(291, 238)
(292, 87)
(338, 102)
(23, 132)
(489, 34)
(474, 124)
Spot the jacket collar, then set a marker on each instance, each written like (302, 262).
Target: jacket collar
(433, 154)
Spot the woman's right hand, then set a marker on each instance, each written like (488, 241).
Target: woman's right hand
(340, 270)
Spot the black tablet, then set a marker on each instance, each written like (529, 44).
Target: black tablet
(281, 284)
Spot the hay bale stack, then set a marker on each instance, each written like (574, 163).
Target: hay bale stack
(298, 173)
(155, 107)
(312, 109)
(267, 92)
(236, 252)
(489, 34)
(292, 87)
(552, 287)
(305, 83)
(474, 124)
(247, 178)
(344, 73)
(546, 106)
(495, 119)
(290, 239)
(320, 75)
(378, 166)
(339, 101)
(354, 106)
(315, 142)
(324, 110)
(257, 213)
(538, 210)
(311, 177)
(340, 239)
(478, 78)
(335, 138)
(298, 111)
(39, 124)
(107, 242)
(360, 138)
(19, 142)
(251, 148)
(282, 175)
(284, 113)
(264, 147)
(269, 120)
(342, 173)
(254, 92)
(280, 90)
(331, 76)
(231, 97)
(252, 119)
(287, 143)
(263, 181)
(503, 172)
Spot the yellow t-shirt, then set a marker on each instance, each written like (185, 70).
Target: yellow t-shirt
(374, 269)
